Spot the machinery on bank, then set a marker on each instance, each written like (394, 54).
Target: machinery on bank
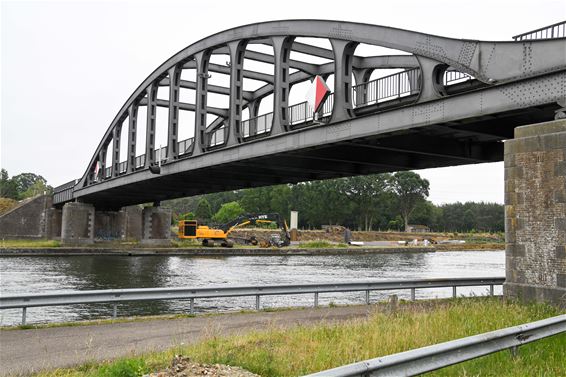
(190, 229)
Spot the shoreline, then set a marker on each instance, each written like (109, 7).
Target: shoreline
(195, 252)
(222, 252)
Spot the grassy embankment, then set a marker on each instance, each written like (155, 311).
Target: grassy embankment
(303, 349)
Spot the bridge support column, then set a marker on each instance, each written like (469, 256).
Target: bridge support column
(156, 226)
(125, 224)
(77, 224)
(535, 213)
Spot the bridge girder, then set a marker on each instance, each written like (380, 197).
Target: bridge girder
(491, 63)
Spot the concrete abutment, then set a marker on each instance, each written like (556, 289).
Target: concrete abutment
(535, 213)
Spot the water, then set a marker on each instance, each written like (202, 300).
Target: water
(27, 275)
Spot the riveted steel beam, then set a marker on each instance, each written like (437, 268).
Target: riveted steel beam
(132, 131)
(116, 149)
(247, 95)
(281, 49)
(150, 124)
(202, 62)
(173, 121)
(226, 70)
(237, 51)
(343, 102)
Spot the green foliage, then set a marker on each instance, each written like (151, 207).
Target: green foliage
(123, 368)
(410, 189)
(228, 212)
(203, 212)
(318, 244)
(379, 201)
(22, 186)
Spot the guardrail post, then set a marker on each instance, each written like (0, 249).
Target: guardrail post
(413, 294)
(115, 311)
(257, 302)
(491, 289)
(367, 297)
(454, 292)
(24, 310)
(315, 299)
(192, 306)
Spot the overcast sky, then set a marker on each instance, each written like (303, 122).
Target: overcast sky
(68, 66)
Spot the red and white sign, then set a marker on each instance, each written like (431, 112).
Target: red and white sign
(317, 93)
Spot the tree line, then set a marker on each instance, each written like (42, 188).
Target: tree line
(372, 202)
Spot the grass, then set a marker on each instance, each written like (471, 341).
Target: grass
(321, 244)
(28, 244)
(306, 349)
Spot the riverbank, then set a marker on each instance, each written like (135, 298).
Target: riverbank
(201, 251)
(286, 343)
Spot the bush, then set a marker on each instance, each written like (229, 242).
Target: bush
(7, 204)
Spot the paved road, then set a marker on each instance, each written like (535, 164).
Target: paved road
(29, 351)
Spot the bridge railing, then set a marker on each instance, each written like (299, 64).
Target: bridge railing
(426, 359)
(452, 77)
(387, 88)
(119, 295)
(139, 162)
(256, 126)
(557, 30)
(218, 136)
(186, 146)
(64, 192)
(160, 153)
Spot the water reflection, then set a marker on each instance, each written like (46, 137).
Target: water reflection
(20, 275)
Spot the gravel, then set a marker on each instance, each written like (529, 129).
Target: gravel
(183, 367)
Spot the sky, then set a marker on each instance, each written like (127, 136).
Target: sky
(67, 67)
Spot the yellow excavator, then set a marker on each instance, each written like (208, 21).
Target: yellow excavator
(189, 229)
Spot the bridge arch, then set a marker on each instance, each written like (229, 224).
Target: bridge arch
(473, 58)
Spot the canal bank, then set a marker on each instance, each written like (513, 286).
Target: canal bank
(206, 251)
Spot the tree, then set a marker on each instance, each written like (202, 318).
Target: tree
(228, 212)
(8, 188)
(26, 181)
(410, 189)
(203, 211)
(365, 194)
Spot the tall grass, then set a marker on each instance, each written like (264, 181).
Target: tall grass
(306, 349)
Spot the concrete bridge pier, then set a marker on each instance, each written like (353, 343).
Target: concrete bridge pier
(77, 223)
(535, 213)
(82, 224)
(156, 225)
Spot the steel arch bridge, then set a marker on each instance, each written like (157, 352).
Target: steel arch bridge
(451, 102)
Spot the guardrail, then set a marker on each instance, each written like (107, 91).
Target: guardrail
(557, 30)
(147, 294)
(387, 88)
(427, 359)
(256, 126)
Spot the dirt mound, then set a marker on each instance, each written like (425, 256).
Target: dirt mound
(183, 367)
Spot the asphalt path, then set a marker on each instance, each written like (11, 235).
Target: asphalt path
(24, 352)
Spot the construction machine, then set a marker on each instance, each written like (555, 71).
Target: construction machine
(190, 229)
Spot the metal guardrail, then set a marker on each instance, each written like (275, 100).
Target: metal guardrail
(387, 88)
(186, 146)
(256, 126)
(148, 294)
(218, 136)
(452, 77)
(426, 359)
(557, 30)
(140, 161)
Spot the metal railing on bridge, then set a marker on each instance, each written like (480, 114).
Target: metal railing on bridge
(430, 358)
(557, 30)
(186, 146)
(64, 193)
(387, 88)
(259, 125)
(119, 295)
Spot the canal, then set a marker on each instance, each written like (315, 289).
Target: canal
(28, 275)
